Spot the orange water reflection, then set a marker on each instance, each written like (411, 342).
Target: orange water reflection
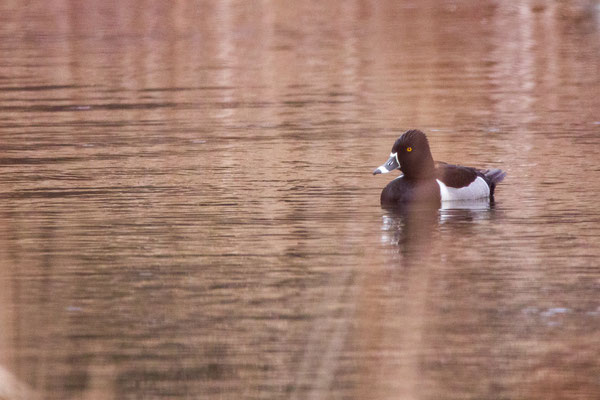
(188, 210)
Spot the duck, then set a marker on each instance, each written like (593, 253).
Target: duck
(425, 181)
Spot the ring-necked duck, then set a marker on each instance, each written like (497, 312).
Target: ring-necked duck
(426, 181)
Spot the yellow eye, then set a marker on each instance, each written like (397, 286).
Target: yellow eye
(409, 149)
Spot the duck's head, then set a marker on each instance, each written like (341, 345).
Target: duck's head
(411, 154)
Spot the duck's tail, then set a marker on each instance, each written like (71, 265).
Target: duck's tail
(493, 177)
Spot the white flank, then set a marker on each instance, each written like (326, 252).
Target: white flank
(478, 189)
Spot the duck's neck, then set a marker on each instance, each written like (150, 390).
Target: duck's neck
(422, 170)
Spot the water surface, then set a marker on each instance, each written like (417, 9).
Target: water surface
(187, 207)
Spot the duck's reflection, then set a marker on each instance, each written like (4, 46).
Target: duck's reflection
(412, 227)
(467, 210)
(409, 226)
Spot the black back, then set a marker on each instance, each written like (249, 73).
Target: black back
(455, 176)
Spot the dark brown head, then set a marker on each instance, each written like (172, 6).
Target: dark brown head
(411, 154)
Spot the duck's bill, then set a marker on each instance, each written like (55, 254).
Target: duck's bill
(390, 165)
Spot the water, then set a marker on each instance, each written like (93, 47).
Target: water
(187, 206)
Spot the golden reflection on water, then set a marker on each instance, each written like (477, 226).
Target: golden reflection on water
(188, 211)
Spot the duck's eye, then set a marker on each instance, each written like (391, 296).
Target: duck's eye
(409, 149)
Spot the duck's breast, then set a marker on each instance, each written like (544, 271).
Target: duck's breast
(401, 190)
